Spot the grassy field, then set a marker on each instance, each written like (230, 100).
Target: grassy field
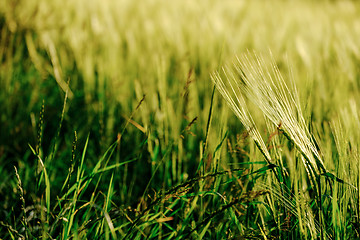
(186, 119)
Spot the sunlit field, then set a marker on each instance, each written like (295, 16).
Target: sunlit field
(183, 119)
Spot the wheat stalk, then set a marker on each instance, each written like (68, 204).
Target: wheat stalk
(251, 77)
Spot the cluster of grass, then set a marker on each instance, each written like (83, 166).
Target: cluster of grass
(115, 119)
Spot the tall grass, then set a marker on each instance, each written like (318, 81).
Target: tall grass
(109, 116)
(263, 84)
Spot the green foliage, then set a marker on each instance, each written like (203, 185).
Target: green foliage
(111, 127)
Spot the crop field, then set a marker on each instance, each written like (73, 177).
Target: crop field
(183, 119)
